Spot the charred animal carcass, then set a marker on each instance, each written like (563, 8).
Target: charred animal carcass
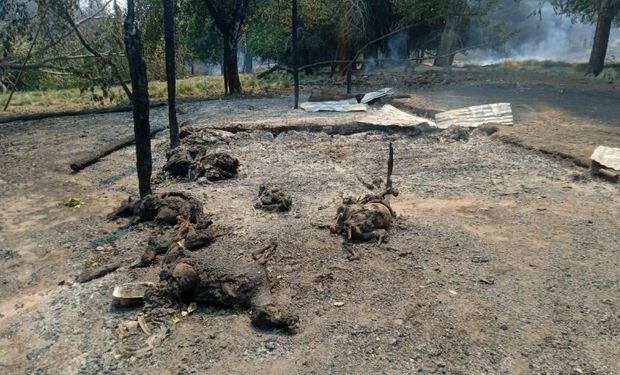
(193, 162)
(272, 198)
(168, 209)
(220, 280)
(363, 219)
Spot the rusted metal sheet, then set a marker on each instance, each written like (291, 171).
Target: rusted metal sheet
(388, 115)
(350, 105)
(372, 96)
(472, 117)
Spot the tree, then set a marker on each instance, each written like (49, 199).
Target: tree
(229, 16)
(78, 39)
(171, 72)
(607, 11)
(139, 84)
(450, 35)
(604, 13)
(67, 15)
(295, 34)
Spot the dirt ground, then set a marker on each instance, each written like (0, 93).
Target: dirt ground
(502, 259)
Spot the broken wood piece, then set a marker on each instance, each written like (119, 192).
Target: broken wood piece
(389, 115)
(87, 276)
(105, 150)
(374, 95)
(349, 105)
(607, 157)
(472, 117)
(606, 174)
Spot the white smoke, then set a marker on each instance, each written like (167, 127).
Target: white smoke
(543, 36)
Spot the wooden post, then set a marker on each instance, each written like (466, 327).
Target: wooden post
(171, 72)
(139, 84)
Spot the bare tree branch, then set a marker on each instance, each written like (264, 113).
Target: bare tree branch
(106, 60)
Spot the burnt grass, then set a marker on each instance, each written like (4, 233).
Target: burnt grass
(500, 260)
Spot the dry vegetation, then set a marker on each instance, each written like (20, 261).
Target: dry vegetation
(74, 99)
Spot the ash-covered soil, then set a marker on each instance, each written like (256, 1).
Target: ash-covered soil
(500, 261)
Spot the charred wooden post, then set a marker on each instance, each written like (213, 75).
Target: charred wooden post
(388, 183)
(139, 84)
(171, 72)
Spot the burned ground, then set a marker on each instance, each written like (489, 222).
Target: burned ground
(500, 259)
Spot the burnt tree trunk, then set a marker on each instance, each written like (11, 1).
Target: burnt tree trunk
(171, 72)
(449, 36)
(248, 66)
(606, 14)
(231, 65)
(139, 84)
(295, 52)
(229, 24)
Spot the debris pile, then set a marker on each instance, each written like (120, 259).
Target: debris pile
(189, 275)
(272, 198)
(194, 162)
(389, 116)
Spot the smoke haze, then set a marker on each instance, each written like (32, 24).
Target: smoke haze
(544, 36)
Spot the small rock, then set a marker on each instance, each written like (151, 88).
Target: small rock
(99, 248)
(338, 303)
(270, 345)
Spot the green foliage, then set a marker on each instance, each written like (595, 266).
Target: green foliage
(585, 10)
(196, 32)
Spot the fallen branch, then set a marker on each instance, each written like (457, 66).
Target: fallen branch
(87, 276)
(106, 150)
(273, 69)
(44, 115)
